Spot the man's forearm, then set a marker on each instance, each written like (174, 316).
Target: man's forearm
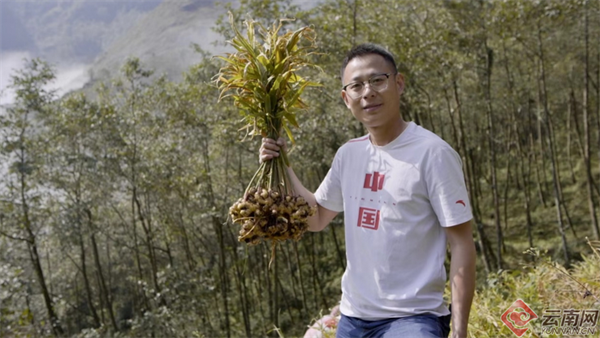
(462, 279)
(314, 223)
(269, 150)
(299, 188)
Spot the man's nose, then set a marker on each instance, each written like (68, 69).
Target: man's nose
(368, 90)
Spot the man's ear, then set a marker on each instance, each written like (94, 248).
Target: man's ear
(400, 83)
(346, 99)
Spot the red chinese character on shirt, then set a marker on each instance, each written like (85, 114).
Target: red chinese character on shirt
(374, 181)
(368, 218)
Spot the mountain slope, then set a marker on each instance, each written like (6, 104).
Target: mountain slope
(68, 31)
(163, 39)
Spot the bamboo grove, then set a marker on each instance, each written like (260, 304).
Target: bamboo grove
(114, 203)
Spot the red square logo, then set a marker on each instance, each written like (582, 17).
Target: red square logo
(517, 316)
(368, 218)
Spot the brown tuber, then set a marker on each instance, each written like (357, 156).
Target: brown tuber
(267, 215)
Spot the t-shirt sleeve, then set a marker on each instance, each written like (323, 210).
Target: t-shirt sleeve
(446, 187)
(329, 194)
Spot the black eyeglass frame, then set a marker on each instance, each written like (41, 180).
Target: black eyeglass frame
(387, 75)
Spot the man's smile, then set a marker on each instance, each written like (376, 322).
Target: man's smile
(372, 107)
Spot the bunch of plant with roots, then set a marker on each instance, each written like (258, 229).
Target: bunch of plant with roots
(261, 77)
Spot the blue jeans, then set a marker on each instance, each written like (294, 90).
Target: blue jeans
(419, 326)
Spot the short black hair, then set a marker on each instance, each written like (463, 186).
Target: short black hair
(365, 49)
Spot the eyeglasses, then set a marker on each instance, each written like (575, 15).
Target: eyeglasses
(377, 83)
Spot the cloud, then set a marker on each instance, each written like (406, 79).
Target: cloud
(9, 63)
(68, 77)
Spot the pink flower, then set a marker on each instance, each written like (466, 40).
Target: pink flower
(326, 323)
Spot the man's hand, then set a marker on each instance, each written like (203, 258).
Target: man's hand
(270, 148)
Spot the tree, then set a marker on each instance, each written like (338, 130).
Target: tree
(23, 150)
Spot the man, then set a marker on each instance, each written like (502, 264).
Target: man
(402, 192)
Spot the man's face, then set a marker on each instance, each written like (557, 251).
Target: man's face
(373, 108)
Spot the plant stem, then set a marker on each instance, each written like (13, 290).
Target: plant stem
(284, 157)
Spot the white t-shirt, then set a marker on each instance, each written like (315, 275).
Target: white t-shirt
(396, 199)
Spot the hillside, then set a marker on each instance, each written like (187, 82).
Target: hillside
(163, 39)
(67, 31)
(87, 41)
